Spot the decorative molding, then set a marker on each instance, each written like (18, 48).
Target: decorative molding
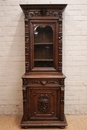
(43, 82)
(60, 27)
(60, 63)
(60, 43)
(52, 123)
(53, 82)
(62, 94)
(34, 82)
(43, 103)
(43, 12)
(24, 82)
(62, 103)
(27, 49)
(60, 15)
(24, 88)
(61, 81)
(34, 13)
(60, 49)
(26, 42)
(27, 66)
(26, 14)
(60, 37)
(24, 100)
(26, 39)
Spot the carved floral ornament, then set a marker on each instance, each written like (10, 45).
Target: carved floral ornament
(43, 82)
(43, 12)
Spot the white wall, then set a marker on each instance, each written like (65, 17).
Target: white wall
(12, 54)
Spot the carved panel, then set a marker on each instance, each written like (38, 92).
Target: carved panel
(43, 12)
(43, 103)
(43, 82)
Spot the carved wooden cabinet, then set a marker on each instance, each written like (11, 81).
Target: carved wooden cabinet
(43, 81)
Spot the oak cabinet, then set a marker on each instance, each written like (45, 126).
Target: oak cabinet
(43, 81)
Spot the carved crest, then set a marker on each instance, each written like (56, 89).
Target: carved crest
(43, 103)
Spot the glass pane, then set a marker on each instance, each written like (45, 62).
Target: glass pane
(43, 46)
(43, 63)
(43, 34)
(43, 51)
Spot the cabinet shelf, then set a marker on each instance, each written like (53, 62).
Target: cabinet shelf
(43, 43)
(43, 59)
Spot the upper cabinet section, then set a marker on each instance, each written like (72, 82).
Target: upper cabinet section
(43, 37)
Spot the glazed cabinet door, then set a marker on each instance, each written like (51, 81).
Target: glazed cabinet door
(43, 45)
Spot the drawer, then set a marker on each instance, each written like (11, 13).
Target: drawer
(43, 82)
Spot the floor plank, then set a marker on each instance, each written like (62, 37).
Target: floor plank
(8, 122)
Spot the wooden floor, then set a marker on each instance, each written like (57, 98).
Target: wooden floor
(13, 123)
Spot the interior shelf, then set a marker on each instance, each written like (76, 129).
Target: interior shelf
(43, 59)
(43, 43)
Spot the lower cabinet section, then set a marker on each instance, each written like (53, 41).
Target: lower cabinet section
(43, 103)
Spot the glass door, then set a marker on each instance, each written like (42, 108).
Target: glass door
(43, 46)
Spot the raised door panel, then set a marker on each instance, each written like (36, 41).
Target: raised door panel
(44, 104)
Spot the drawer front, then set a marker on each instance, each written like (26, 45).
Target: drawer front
(44, 82)
(43, 104)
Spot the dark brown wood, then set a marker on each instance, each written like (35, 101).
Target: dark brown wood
(43, 81)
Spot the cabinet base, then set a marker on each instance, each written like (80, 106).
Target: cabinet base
(59, 124)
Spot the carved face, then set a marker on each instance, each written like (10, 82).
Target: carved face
(43, 103)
